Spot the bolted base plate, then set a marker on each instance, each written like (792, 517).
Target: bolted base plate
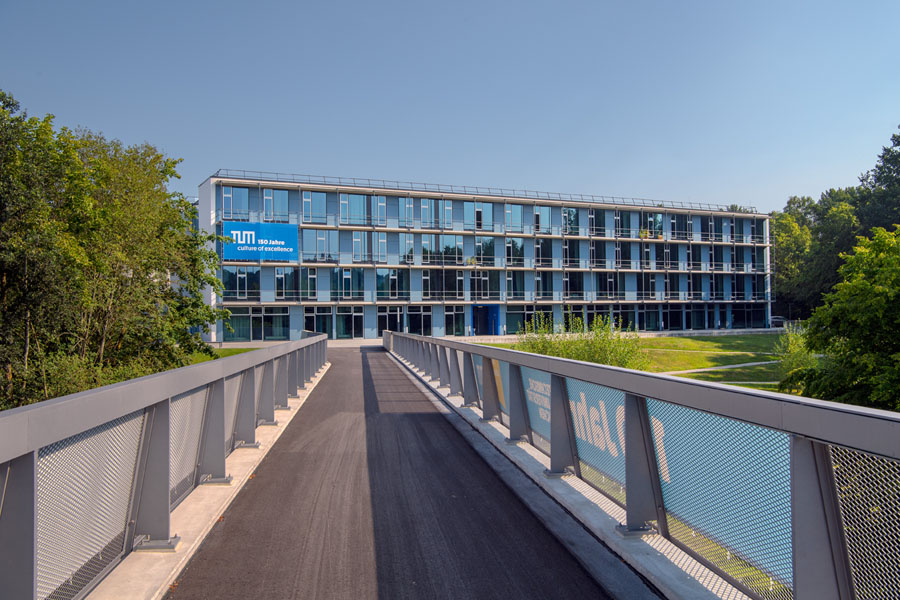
(168, 545)
(626, 532)
(207, 480)
(254, 445)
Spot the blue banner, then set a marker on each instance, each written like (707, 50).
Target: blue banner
(261, 241)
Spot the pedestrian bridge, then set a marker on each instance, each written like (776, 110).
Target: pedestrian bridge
(432, 468)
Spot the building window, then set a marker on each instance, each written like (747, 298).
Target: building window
(314, 207)
(235, 203)
(448, 214)
(240, 283)
(279, 283)
(308, 283)
(380, 213)
(454, 320)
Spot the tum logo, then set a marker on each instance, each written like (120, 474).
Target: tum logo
(244, 237)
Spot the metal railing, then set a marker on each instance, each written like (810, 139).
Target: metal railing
(785, 497)
(383, 184)
(89, 477)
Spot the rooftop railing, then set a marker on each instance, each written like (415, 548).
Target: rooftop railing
(89, 477)
(439, 188)
(784, 497)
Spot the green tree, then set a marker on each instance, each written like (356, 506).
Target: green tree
(879, 204)
(834, 231)
(101, 272)
(857, 328)
(791, 243)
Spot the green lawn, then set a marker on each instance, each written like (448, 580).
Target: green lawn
(755, 343)
(758, 373)
(198, 357)
(668, 360)
(700, 352)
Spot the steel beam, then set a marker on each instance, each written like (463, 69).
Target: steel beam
(519, 425)
(18, 526)
(644, 494)
(211, 463)
(443, 366)
(152, 500)
(562, 447)
(490, 397)
(470, 387)
(456, 385)
(821, 564)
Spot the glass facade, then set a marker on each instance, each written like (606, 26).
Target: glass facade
(446, 264)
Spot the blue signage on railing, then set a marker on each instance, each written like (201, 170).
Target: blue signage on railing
(261, 241)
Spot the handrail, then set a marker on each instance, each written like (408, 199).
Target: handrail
(28, 428)
(95, 475)
(866, 429)
(784, 497)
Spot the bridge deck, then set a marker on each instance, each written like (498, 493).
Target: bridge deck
(370, 493)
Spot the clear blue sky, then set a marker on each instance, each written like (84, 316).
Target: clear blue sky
(746, 102)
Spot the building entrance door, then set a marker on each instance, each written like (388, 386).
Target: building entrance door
(485, 319)
(256, 323)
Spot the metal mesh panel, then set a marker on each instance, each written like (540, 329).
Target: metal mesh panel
(185, 425)
(868, 489)
(84, 486)
(232, 396)
(598, 414)
(726, 489)
(537, 400)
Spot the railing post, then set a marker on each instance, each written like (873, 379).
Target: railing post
(245, 421)
(644, 495)
(324, 352)
(308, 353)
(293, 368)
(429, 363)
(456, 386)
(562, 444)
(281, 382)
(470, 387)
(301, 368)
(821, 564)
(152, 501)
(420, 356)
(266, 406)
(18, 526)
(519, 426)
(490, 399)
(444, 366)
(211, 468)
(435, 364)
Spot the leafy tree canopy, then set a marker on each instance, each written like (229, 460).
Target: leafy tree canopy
(857, 328)
(810, 235)
(101, 271)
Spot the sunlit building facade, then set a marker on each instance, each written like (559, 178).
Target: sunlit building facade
(353, 258)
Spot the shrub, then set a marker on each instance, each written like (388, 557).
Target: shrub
(796, 359)
(604, 343)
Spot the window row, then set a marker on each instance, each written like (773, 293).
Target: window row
(238, 203)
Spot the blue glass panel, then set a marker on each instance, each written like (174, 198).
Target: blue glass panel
(726, 484)
(598, 415)
(537, 400)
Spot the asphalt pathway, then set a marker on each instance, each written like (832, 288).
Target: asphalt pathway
(371, 493)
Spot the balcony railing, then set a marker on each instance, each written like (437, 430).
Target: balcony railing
(87, 478)
(382, 184)
(784, 497)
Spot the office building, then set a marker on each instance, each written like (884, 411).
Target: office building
(353, 258)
